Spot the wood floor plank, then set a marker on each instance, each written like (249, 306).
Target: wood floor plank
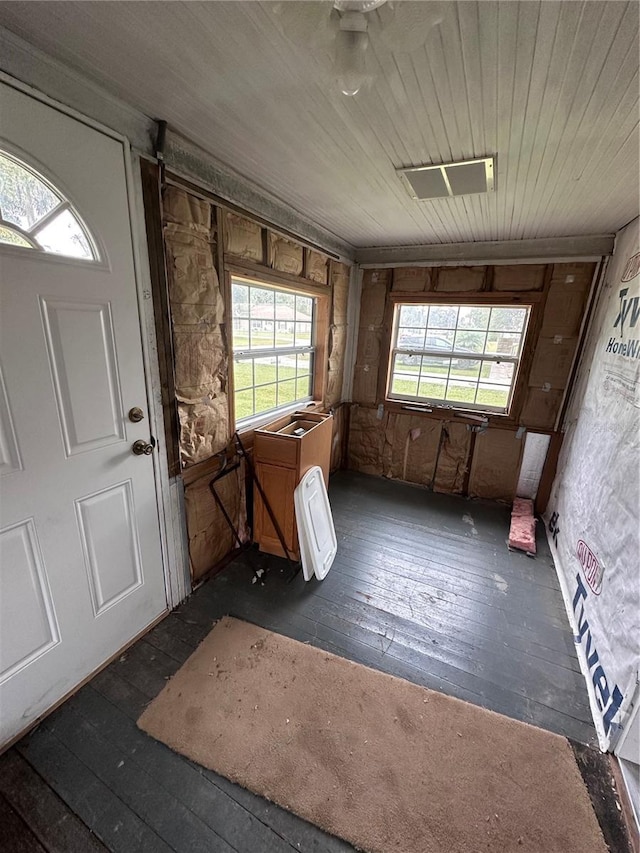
(15, 835)
(145, 795)
(57, 828)
(119, 828)
(179, 777)
(413, 592)
(299, 834)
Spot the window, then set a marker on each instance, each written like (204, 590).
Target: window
(34, 215)
(273, 348)
(464, 356)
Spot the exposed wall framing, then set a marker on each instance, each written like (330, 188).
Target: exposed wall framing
(203, 243)
(448, 450)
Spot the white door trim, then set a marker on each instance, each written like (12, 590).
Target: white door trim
(168, 493)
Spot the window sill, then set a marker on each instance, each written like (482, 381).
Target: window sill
(410, 407)
(261, 420)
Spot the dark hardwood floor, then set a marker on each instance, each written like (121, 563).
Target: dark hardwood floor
(423, 587)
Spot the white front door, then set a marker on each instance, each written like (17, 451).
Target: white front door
(80, 560)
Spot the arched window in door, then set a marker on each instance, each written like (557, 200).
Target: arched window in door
(35, 215)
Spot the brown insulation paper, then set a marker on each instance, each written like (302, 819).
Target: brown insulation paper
(372, 304)
(197, 315)
(541, 408)
(204, 427)
(459, 279)
(382, 276)
(317, 267)
(210, 538)
(411, 279)
(187, 211)
(285, 255)
(552, 362)
(243, 238)
(365, 383)
(366, 440)
(410, 448)
(496, 465)
(337, 345)
(566, 300)
(453, 459)
(340, 293)
(518, 277)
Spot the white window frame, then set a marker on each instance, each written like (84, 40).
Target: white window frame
(458, 355)
(260, 418)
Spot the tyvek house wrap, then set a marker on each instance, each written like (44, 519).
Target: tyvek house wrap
(592, 517)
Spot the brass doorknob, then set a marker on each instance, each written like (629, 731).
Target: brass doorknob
(143, 448)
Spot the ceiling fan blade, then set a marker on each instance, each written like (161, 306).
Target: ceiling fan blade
(402, 27)
(310, 25)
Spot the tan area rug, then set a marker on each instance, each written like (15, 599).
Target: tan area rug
(380, 762)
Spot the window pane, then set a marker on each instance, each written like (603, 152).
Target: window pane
(265, 318)
(507, 319)
(64, 236)
(24, 198)
(304, 308)
(243, 373)
(503, 343)
(462, 368)
(434, 366)
(303, 361)
(433, 388)
(240, 300)
(469, 341)
(287, 392)
(8, 235)
(413, 315)
(409, 338)
(244, 404)
(262, 303)
(442, 341)
(500, 373)
(405, 383)
(443, 316)
(264, 370)
(262, 333)
(240, 334)
(493, 395)
(461, 392)
(266, 397)
(303, 334)
(469, 333)
(303, 387)
(473, 317)
(284, 333)
(286, 307)
(286, 367)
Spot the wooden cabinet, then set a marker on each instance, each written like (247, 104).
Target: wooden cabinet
(283, 452)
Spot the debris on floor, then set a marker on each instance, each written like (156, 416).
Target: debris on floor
(522, 533)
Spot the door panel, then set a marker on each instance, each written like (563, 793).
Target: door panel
(77, 333)
(80, 560)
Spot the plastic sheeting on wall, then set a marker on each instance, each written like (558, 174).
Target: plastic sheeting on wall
(593, 512)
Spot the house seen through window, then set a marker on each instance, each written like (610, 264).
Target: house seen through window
(273, 348)
(464, 356)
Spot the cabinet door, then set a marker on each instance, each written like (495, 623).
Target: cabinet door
(279, 485)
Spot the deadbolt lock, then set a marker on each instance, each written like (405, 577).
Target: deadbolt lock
(136, 415)
(143, 448)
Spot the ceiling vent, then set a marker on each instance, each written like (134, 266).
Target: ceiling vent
(449, 180)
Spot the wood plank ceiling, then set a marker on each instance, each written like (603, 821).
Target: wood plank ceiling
(550, 88)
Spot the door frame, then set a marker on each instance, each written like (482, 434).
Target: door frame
(169, 494)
